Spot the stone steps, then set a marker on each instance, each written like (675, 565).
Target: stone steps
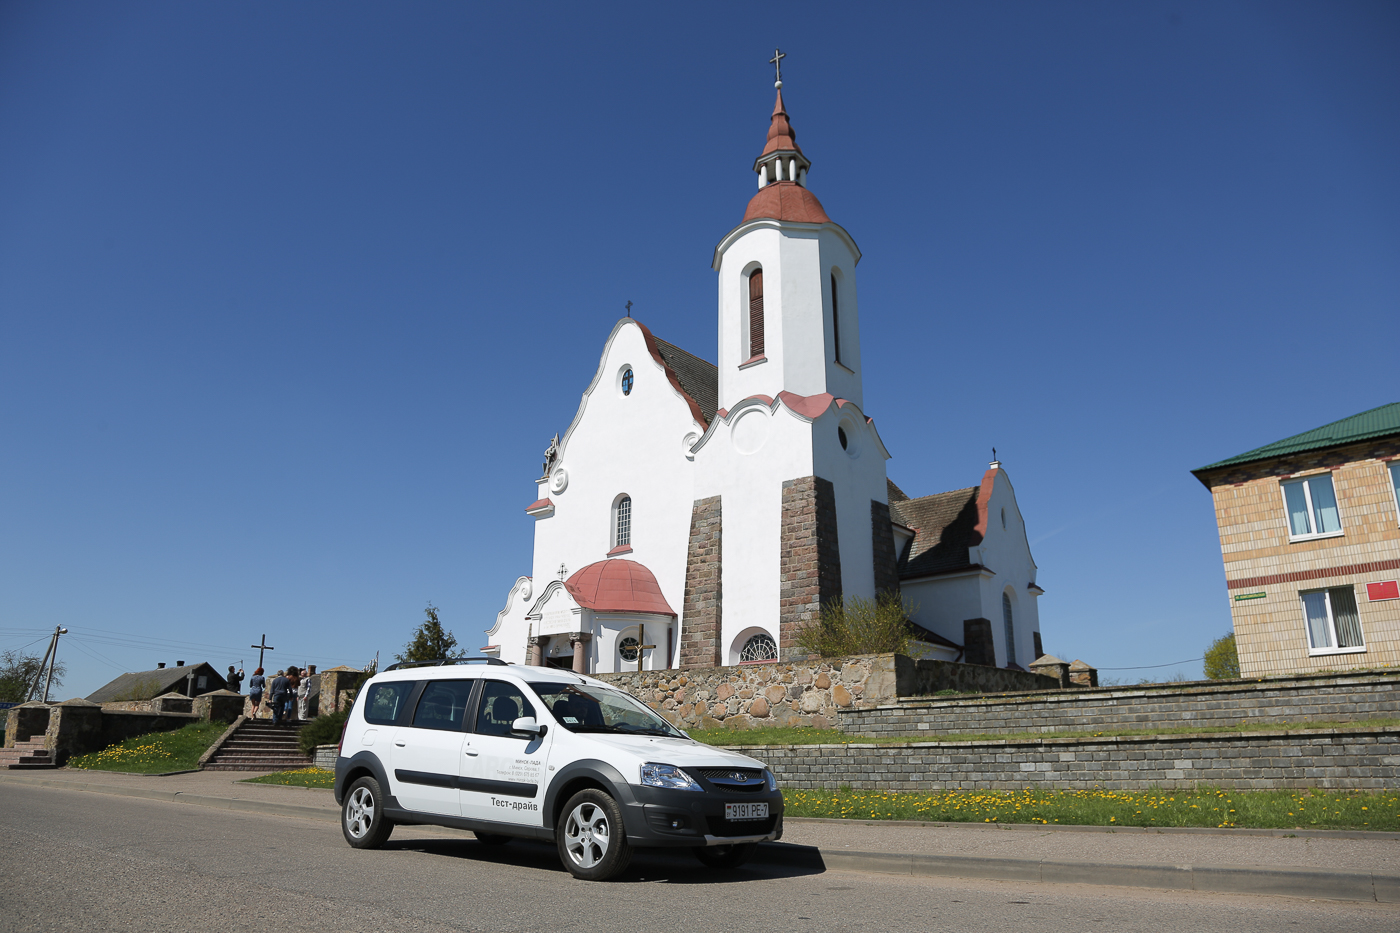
(258, 745)
(30, 754)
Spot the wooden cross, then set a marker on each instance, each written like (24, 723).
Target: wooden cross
(777, 62)
(629, 307)
(262, 646)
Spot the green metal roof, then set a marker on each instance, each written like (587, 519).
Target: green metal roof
(1378, 422)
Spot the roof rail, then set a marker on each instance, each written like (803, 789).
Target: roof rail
(443, 662)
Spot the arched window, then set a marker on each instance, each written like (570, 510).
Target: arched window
(835, 321)
(760, 647)
(622, 522)
(1010, 629)
(756, 313)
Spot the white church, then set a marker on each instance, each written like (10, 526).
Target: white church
(754, 491)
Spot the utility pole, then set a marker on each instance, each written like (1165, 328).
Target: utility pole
(50, 658)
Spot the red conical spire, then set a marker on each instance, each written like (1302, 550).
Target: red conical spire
(781, 136)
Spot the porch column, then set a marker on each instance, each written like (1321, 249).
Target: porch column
(536, 653)
(579, 641)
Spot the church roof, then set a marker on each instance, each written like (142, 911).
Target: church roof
(781, 136)
(786, 200)
(945, 526)
(618, 586)
(698, 379)
(894, 493)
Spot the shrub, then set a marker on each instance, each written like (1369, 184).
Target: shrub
(1222, 661)
(323, 730)
(859, 626)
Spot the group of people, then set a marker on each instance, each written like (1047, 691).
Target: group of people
(288, 687)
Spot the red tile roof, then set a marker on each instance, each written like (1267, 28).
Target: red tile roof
(786, 200)
(618, 586)
(781, 136)
(539, 504)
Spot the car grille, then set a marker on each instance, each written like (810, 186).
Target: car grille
(735, 780)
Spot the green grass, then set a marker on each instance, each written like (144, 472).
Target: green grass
(797, 735)
(1211, 807)
(301, 777)
(155, 752)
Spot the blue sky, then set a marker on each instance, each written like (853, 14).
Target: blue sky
(292, 296)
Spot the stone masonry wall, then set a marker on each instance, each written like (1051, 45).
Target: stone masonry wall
(882, 538)
(810, 562)
(703, 598)
(1343, 759)
(1320, 698)
(805, 693)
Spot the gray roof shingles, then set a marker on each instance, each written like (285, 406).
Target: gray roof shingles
(156, 682)
(698, 379)
(946, 526)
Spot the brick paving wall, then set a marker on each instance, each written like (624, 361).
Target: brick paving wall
(1363, 759)
(700, 624)
(810, 563)
(1319, 698)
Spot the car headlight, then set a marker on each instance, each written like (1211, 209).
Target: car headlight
(772, 780)
(669, 776)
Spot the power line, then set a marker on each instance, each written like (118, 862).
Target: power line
(1148, 667)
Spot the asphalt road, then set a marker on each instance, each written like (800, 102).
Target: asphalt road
(73, 861)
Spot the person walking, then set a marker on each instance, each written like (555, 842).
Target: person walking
(278, 689)
(293, 684)
(304, 697)
(234, 678)
(256, 683)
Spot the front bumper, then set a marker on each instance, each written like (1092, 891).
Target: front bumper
(658, 816)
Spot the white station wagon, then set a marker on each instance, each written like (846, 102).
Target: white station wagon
(509, 751)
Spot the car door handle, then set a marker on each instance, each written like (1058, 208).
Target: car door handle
(400, 744)
(473, 752)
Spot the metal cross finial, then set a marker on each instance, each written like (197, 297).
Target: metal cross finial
(563, 571)
(777, 62)
(629, 307)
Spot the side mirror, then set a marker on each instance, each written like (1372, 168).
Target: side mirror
(528, 725)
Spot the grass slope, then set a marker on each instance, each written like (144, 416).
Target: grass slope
(155, 752)
(301, 777)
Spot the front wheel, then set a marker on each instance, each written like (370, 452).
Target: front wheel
(592, 843)
(362, 815)
(725, 856)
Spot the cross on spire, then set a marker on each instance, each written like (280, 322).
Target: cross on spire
(777, 62)
(629, 307)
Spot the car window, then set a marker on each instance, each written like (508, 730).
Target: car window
(385, 701)
(501, 705)
(586, 708)
(443, 704)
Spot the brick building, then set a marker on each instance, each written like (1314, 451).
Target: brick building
(1310, 533)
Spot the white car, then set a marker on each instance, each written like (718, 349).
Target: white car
(511, 751)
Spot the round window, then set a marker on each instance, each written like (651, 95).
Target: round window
(627, 381)
(760, 647)
(629, 648)
(841, 436)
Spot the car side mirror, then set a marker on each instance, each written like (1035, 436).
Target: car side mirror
(528, 725)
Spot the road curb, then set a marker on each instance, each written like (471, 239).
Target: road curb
(1128, 830)
(1218, 879)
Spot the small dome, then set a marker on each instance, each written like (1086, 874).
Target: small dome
(618, 586)
(786, 200)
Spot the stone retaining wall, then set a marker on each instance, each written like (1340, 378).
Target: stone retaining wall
(1362, 759)
(804, 693)
(1318, 697)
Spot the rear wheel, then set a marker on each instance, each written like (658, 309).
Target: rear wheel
(725, 856)
(362, 815)
(592, 843)
(493, 839)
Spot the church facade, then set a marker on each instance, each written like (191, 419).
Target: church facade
(753, 491)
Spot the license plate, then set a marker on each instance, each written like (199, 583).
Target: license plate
(746, 811)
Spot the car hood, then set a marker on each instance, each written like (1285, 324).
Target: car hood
(679, 752)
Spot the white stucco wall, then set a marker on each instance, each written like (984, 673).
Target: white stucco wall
(633, 444)
(797, 262)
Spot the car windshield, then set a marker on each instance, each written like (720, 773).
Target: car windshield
(586, 708)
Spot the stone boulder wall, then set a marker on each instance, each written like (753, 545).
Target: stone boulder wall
(806, 692)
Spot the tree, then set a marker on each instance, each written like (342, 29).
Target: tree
(17, 672)
(430, 642)
(1222, 661)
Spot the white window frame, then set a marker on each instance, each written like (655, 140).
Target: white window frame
(1331, 624)
(1393, 468)
(1306, 483)
(617, 519)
